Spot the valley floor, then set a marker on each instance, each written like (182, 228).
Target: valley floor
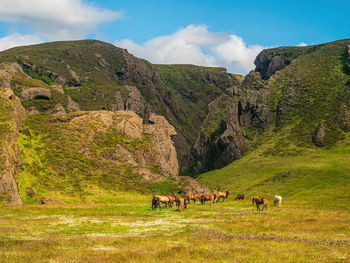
(129, 231)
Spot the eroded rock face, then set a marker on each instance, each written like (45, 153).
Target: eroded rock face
(135, 101)
(220, 140)
(35, 93)
(10, 152)
(119, 103)
(130, 124)
(161, 132)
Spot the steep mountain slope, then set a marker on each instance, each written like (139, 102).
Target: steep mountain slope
(50, 149)
(100, 76)
(288, 113)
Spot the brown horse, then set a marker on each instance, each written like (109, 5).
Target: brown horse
(223, 195)
(207, 198)
(253, 197)
(181, 203)
(164, 200)
(260, 201)
(172, 199)
(191, 197)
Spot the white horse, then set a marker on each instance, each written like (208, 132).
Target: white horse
(277, 201)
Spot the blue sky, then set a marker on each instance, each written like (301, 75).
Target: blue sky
(211, 33)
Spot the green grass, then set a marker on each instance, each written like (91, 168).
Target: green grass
(129, 231)
(312, 175)
(73, 158)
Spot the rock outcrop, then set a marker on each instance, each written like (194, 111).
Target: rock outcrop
(135, 101)
(10, 153)
(269, 61)
(319, 136)
(35, 93)
(161, 132)
(220, 140)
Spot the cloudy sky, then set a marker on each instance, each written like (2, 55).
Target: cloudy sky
(211, 33)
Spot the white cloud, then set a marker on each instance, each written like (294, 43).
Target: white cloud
(302, 44)
(196, 45)
(56, 19)
(14, 40)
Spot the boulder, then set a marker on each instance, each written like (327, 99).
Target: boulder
(319, 135)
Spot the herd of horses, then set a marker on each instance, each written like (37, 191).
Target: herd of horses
(169, 200)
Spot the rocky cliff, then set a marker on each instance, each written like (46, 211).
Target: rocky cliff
(220, 140)
(297, 95)
(100, 76)
(11, 115)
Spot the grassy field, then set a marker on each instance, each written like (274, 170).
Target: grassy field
(316, 177)
(129, 231)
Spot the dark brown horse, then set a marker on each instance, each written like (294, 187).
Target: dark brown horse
(156, 203)
(240, 197)
(260, 201)
(253, 197)
(207, 198)
(223, 195)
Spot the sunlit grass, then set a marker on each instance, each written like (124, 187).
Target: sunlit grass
(130, 231)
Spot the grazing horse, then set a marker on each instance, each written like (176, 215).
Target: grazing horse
(215, 193)
(222, 195)
(240, 197)
(172, 199)
(277, 201)
(253, 197)
(164, 200)
(191, 197)
(156, 203)
(207, 198)
(260, 201)
(181, 203)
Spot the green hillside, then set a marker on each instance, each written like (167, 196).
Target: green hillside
(282, 159)
(312, 177)
(96, 75)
